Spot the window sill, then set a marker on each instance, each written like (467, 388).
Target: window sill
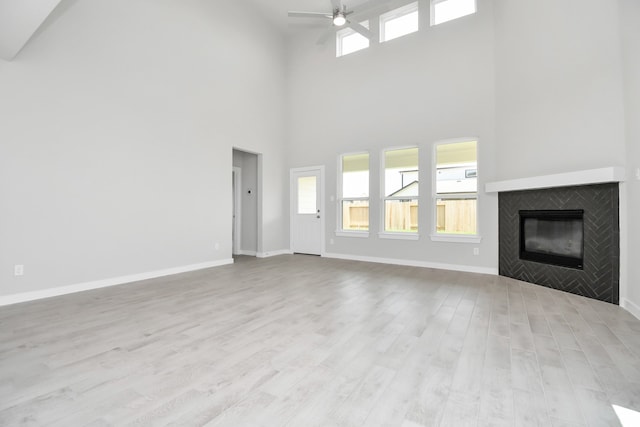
(359, 234)
(455, 238)
(398, 236)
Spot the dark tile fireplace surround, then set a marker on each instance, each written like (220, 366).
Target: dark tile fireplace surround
(599, 275)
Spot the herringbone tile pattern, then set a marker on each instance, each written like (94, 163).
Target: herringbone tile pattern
(601, 274)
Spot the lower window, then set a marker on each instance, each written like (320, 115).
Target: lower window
(401, 215)
(456, 215)
(355, 215)
(456, 176)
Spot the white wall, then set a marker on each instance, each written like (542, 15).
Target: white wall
(630, 32)
(415, 90)
(117, 125)
(562, 103)
(559, 100)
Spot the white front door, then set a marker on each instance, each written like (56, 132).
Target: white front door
(306, 213)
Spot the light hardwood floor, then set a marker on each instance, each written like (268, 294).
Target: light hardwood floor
(306, 341)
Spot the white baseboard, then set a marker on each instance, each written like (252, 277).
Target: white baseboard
(247, 253)
(104, 283)
(631, 307)
(265, 254)
(413, 263)
(274, 253)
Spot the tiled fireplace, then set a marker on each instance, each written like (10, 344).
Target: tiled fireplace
(565, 235)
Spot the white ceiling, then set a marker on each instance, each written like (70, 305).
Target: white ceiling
(276, 11)
(19, 20)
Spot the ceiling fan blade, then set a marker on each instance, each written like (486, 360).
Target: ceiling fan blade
(360, 29)
(326, 35)
(309, 15)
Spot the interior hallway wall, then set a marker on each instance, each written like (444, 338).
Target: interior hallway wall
(117, 125)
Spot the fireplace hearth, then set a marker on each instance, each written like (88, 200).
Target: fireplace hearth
(566, 238)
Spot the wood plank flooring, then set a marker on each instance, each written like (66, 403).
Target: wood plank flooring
(307, 341)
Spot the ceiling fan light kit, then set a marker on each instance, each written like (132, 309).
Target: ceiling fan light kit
(339, 17)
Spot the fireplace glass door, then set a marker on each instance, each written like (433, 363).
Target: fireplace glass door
(553, 237)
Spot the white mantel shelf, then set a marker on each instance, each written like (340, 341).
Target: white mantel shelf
(584, 177)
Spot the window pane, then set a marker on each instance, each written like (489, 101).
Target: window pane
(456, 216)
(456, 168)
(355, 215)
(401, 172)
(401, 215)
(398, 26)
(447, 10)
(355, 175)
(307, 195)
(350, 41)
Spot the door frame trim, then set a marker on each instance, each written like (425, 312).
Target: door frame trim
(237, 241)
(292, 171)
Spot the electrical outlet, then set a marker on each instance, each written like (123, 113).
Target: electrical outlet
(476, 251)
(331, 241)
(18, 270)
(217, 246)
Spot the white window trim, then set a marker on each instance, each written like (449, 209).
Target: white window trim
(395, 14)
(352, 233)
(340, 232)
(383, 234)
(445, 237)
(408, 235)
(432, 12)
(455, 238)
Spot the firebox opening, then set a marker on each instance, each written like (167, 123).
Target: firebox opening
(552, 237)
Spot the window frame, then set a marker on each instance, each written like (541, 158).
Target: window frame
(396, 14)
(400, 235)
(448, 237)
(432, 12)
(341, 232)
(342, 33)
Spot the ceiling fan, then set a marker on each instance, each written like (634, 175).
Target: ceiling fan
(339, 17)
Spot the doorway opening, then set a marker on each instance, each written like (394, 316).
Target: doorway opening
(245, 203)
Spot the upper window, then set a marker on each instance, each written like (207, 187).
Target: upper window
(447, 10)
(399, 22)
(354, 205)
(456, 188)
(401, 190)
(349, 40)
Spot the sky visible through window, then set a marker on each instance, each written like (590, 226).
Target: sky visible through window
(355, 184)
(350, 41)
(451, 9)
(400, 26)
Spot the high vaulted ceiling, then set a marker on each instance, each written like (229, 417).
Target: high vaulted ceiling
(276, 11)
(19, 20)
